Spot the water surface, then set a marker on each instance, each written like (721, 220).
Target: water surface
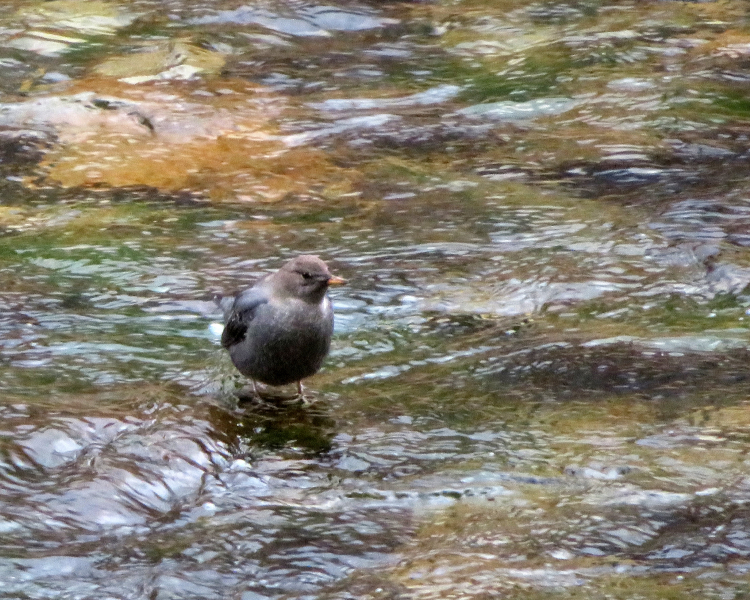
(538, 382)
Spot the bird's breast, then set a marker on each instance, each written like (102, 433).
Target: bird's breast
(297, 318)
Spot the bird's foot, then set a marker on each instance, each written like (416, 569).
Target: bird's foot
(248, 396)
(307, 399)
(302, 397)
(262, 395)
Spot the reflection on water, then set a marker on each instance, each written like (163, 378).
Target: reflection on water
(301, 20)
(538, 382)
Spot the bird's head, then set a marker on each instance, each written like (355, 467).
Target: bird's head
(305, 277)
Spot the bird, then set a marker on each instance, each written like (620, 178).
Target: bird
(279, 330)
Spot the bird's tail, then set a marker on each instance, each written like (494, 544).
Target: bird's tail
(225, 303)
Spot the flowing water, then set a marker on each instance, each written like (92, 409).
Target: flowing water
(539, 381)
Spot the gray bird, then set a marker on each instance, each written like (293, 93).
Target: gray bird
(279, 331)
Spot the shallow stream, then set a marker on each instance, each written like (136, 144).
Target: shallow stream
(539, 383)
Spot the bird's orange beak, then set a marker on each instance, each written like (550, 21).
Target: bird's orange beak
(333, 280)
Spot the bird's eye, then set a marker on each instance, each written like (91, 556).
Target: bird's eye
(306, 275)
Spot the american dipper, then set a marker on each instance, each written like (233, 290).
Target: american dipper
(279, 331)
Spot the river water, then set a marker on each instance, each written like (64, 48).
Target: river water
(538, 386)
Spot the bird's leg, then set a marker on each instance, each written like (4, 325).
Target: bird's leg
(305, 401)
(255, 388)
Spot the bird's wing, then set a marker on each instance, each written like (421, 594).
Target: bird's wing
(240, 315)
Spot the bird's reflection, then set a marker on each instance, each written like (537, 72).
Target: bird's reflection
(274, 424)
